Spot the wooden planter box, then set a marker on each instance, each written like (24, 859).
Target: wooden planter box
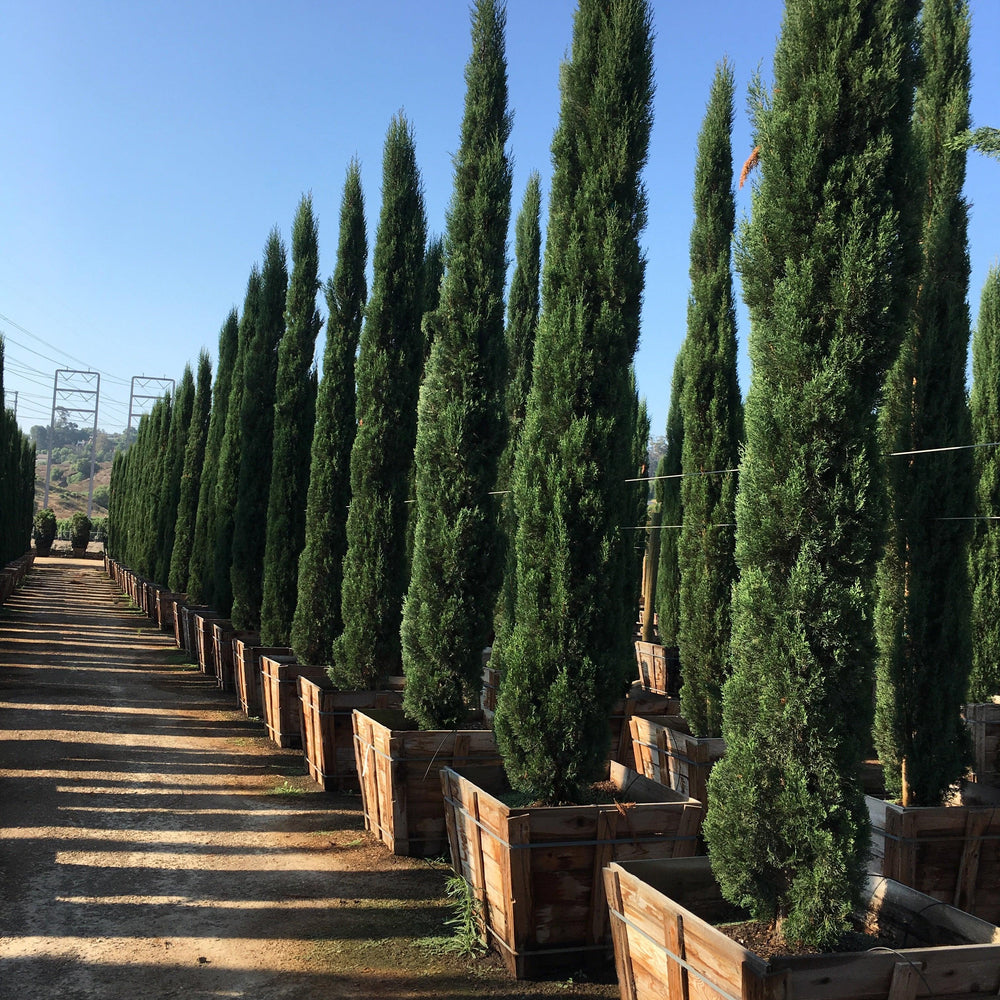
(399, 770)
(667, 947)
(537, 870)
(983, 721)
(247, 652)
(659, 667)
(328, 728)
(166, 603)
(189, 614)
(222, 653)
(951, 853)
(638, 702)
(279, 673)
(666, 752)
(204, 639)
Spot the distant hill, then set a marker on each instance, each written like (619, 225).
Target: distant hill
(67, 497)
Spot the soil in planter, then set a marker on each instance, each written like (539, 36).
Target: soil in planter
(600, 793)
(764, 939)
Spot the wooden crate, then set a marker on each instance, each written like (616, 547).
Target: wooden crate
(983, 721)
(279, 672)
(665, 751)
(951, 853)
(247, 652)
(328, 728)
(641, 702)
(204, 638)
(398, 768)
(659, 667)
(667, 947)
(537, 870)
(166, 603)
(222, 654)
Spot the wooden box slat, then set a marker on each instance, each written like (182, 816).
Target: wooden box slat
(223, 633)
(659, 670)
(398, 767)
(537, 870)
(247, 652)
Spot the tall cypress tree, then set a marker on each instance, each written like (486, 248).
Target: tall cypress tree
(260, 371)
(194, 459)
(461, 426)
(317, 620)
(924, 599)
(713, 424)
(294, 413)
(227, 487)
(668, 493)
(173, 468)
(984, 402)
(569, 652)
(200, 585)
(523, 307)
(388, 373)
(827, 262)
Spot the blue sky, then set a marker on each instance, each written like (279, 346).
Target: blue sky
(149, 148)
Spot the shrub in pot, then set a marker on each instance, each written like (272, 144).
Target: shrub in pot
(79, 533)
(44, 530)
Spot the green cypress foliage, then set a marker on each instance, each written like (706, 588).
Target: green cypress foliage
(152, 479)
(668, 493)
(827, 261)
(388, 374)
(227, 487)
(194, 459)
(570, 650)
(200, 584)
(636, 530)
(461, 427)
(433, 274)
(523, 307)
(260, 372)
(984, 402)
(924, 598)
(173, 469)
(317, 620)
(17, 481)
(294, 413)
(713, 425)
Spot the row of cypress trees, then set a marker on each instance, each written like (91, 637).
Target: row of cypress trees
(17, 481)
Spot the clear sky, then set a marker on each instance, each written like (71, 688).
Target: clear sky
(149, 147)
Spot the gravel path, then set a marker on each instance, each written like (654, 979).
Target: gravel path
(154, 844)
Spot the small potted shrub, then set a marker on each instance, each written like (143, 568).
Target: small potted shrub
(44, 531)
(79, 534)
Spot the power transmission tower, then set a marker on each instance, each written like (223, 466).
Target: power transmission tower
(76, 387)
(143, 384)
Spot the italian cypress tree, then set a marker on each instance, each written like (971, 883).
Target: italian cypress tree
(17, 481)
(827, 262)
(317, 620)
(151, 488)
(523, 307)
(227, 486)
(713, 424)
(260, 372)
(637, 530)
(388, 374)
(433, 273)
(668, 493)
(984, 402)
(570, 652)
(200, 584)
(461, 426)
(173, 469)
(294, 413)
(924, 598)
(194, 460)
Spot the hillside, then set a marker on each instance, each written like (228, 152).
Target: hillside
(67, 497)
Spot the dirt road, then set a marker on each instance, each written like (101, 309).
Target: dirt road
(154, 844)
